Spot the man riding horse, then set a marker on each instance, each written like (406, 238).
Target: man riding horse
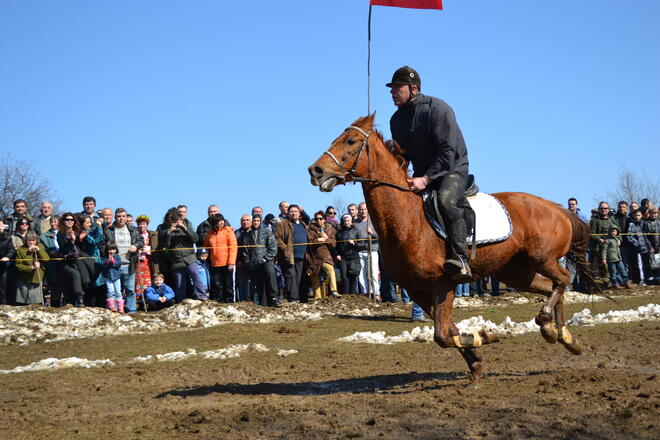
(425, 128)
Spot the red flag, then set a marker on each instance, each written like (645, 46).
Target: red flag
(415, 4)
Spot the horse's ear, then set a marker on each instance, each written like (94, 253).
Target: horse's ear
(370, 120)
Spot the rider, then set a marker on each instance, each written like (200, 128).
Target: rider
(426, 129)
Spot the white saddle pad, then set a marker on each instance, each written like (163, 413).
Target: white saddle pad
(492, 219)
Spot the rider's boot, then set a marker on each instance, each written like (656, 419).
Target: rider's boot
(457, 263)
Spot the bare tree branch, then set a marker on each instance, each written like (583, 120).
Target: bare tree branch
(633, 186)
(19, 180)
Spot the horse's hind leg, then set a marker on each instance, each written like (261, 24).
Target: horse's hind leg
(567, 340)
(560, 277)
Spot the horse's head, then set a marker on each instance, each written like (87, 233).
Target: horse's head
(342, 162)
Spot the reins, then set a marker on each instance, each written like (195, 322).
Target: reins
(350, 174)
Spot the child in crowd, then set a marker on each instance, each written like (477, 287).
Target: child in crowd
(111, 273)
(204, 272)
(29, 264)
(159, 295)
(611, 256)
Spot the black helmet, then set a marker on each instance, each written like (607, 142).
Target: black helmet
(405, 75)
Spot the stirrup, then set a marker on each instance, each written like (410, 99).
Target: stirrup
(458, 269)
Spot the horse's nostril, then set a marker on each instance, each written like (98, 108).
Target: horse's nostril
(318, 171)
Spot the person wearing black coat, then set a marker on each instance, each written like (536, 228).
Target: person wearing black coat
(259, 253)
(348, 248)
(7, 253)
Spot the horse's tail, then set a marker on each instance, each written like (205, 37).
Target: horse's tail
(578, 249)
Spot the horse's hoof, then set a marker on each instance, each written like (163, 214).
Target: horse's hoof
(476, 370)
(568, 341)
(549, 332)
(489, 338)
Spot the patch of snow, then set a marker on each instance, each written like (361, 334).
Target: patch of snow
(52, 364)
(284, 353)
(508, 326)
(648, 312)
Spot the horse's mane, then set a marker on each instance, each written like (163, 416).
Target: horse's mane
(392, 147)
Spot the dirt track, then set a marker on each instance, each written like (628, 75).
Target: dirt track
(332, 389)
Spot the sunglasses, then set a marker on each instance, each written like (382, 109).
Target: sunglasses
(320, 218)
(68, 219)
(332, 213)
(24, 223)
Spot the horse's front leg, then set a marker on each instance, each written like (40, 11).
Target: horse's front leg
(446, 334)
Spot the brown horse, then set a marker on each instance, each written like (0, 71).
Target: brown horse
(413, 254)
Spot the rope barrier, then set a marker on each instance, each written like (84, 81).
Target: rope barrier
(288, 245)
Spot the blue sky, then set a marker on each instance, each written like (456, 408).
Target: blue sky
(149, 104)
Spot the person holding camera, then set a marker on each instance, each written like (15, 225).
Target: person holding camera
(175, 235)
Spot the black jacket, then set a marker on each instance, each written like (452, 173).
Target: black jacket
(260, 247)
(344, 248)
(427, 130)
(179, 245)
(7, 248)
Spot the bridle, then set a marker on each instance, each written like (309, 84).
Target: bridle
(350, 174)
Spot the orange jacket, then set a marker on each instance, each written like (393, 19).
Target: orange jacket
(222, 246)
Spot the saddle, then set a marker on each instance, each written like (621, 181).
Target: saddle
(495, 224)
(434, 215)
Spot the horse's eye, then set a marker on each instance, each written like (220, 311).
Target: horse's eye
(351, 141)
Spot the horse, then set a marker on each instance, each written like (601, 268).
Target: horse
(413, 254)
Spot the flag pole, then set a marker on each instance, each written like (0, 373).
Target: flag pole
(369, 62)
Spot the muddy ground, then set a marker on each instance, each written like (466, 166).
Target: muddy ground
(332, 389)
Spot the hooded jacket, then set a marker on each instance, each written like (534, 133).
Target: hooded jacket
(609, 250)
(222, 246)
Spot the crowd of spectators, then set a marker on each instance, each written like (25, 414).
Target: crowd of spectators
(624, 244)
(107, 258)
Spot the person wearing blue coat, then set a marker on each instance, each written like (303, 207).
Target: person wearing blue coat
(159, 295)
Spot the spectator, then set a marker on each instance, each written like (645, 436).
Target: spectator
(183, 212)
(20, 211)
(89, 208)
(652, 228)
(205, 226)
(23, 226)
(203, 268)
(159, 295)
(368, 258)
(223, 249)
(331, 218)
(348, 249)
(352, 210)
(319, 255)
(573, 207)
(243, 288)
(634, 206)
(30, 258)
(599, 226)
(269, 222)
(129, 242)
(72, 273)
(175, 235)
(640, 248)
(258, 210)
(7, 253)
(91, 240)
(611, 256)
(291, 237)
(112, 275)
(42, 221)
(259, 255)
(284, 210)
(108, 218)
(130, 220)
(49, 240)
(147, 260)
(462, 290)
